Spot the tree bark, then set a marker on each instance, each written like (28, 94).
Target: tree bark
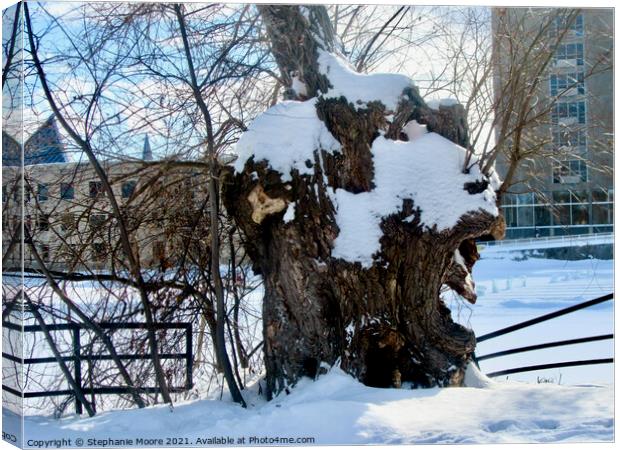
(385, 324)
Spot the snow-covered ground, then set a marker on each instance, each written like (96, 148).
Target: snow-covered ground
(511, 291)
(559, 405)
(336, 409)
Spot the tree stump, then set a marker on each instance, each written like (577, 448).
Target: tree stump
(382, 320)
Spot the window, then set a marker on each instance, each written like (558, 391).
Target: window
(541, 198)
(580, 215)
(569, 138)
(97, 221)
(95, 189)
(561, 197)
(525, 216)
(570, 172)
(573, 208)
(567, 84)
(563, 215)
(525, 199)
(45, 253)
(569, 55)
(602, 214)
(579, 196)
(509, 199)
(43, 222)
(67, 222)
(67, 191)
(560, 25)
(159, 251)
(569, 113)
(599, 195)
(98, 251)
(510, 215)
(43, 192)
(542, 216)
(128, 189)
(577, 25)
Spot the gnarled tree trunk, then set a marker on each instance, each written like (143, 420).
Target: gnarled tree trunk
(384, 321)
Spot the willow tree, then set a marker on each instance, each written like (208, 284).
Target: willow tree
(356, 212)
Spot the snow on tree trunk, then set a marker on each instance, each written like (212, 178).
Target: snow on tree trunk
(356, 212)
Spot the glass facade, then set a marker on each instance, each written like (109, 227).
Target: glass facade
(567, 84)
(570, 203)
(569, 54)
(558, 213)
(569, 138)
(575, 27)
(569, 113)
(570, 171)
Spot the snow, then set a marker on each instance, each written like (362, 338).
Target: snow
(494, 181)
(436, 103)
(426, 170)
(336, 409)
(414, 130)
(458, 259)
(555, 405)
(286, 135)
(299, 86)
(358, 88)
(513, 289)
(290, 213)
(474, 378)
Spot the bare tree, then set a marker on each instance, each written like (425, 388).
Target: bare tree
(160, 203)
(193, 77)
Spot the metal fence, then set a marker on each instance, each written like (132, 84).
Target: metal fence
(77, 358)
(540, 319)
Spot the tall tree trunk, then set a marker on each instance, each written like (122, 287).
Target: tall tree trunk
(385, 324)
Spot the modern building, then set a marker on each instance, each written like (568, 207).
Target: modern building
(70, 219)
(566, 186)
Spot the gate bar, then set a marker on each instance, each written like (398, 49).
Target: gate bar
(545, 317)
(545, 345)
(586, 362)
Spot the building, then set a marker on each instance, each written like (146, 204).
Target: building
(566, 186)
(43, 147)
(69, 217)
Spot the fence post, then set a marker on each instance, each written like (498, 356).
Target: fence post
(189, 360)
(77, 365)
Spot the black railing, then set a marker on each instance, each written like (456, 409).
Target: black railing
(529, 348)
(77, 357)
